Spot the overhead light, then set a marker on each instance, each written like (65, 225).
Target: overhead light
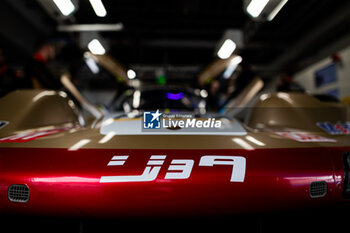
(203, 93)
(90, 27)
(131, 74)
(232, 66)
(65, 6)
(255, 7)
(226, 49)
(236, 60)
(276, 10)
(96, 47)
(98, 7)
(92, 65)
(136, 99)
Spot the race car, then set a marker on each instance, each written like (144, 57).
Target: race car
(150, 97)
(290, 151)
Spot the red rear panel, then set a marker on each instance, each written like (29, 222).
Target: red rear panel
(132, 183)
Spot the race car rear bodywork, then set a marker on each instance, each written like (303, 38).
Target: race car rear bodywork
(63, 168)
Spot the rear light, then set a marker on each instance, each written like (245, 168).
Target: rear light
(347, 174)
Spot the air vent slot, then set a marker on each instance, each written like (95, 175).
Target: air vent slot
(318, 189)
(18, 193)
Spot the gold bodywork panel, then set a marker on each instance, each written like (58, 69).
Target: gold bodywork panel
(28, 111)
(36, 109)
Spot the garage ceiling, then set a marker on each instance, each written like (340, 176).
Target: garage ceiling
(182, 35)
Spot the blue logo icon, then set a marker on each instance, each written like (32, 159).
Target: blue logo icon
(151, 120)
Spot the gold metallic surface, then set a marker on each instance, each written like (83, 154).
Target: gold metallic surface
(33, 110)
(294, 111)
(30, 109)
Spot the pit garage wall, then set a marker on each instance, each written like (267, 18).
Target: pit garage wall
(306, 77)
